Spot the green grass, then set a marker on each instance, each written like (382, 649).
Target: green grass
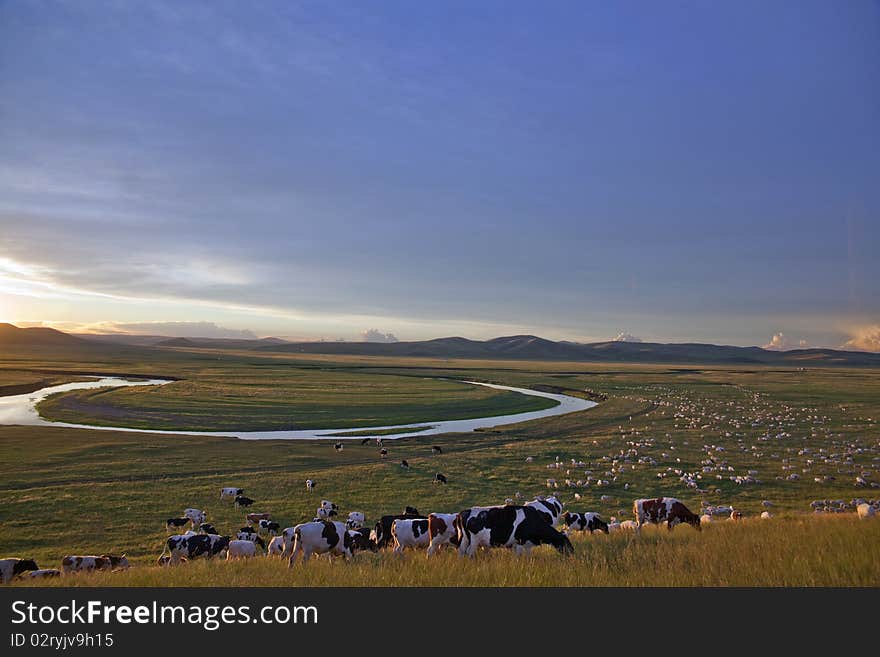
(88, 491)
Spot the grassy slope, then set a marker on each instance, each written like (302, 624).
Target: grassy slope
(91, 491)
(827, 551)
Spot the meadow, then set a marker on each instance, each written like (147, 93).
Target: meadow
(71, 491)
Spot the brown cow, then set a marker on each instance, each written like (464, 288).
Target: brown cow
(664, 509)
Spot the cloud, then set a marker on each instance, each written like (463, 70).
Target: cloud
(864, 338)
(374, 335)
(777, 343)
(171, 329)
(626, 337)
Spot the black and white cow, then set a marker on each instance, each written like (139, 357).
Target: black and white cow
(517, 527)
(251, 536)
(195, 516)
(382, 531)
(410, 533)
(355, 520)
(230, 493)
(361, 539)
(440, 478)
(196, 546)
(548, 507)
(589, 521)
(338, 447)
(310, 484)
(241, 500)
(176, 524)
(207, 528)
(324, 537)
(269, 526)
(11, 568)
(435, 450)
(76, 563)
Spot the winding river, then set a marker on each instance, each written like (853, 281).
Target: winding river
(22, 410)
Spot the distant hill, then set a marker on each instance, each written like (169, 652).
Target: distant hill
(513, 347)
(530, 347)
(165, 341)
(37, 336)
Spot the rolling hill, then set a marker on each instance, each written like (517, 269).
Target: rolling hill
(530, 347)
(37, 336)
(514, 347)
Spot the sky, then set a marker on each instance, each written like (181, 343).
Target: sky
(682, 171)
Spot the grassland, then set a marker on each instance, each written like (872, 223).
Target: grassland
(81, 491)
(807, 551)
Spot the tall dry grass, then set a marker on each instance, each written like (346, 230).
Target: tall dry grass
(798, 551)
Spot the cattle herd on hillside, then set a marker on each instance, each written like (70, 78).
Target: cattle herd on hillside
(519, 527)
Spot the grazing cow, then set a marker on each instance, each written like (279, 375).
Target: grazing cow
(442, 530)
(43, 573)
(404, 464)
(175, 524)
(365, 441)
(355, 520)
(241, 500)
(165, 560)
(765, 515)
(548, 507)
(382, 529)
(325, 514)
(241, 550)
(440, 478)
(253, 537)
(736, 515)
(230, 493)
(412, 511)
(337, 447)
(865, 511)
(11, 568)
(589, 521)
(276, 547)
(361, 539)
(247, 530)
(310, 485)
(383, 452)
(75, 564)
(517, 527)
(435, 450)
(664, 509)
(195, 516)
(195, 546)
(207, 528)
(251, 518)
(325, 537)
(410, 533)
(269, 526)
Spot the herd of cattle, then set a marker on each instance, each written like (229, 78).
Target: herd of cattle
(513, 526)
(519, 527)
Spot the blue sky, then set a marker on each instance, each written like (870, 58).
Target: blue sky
(676, 172)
